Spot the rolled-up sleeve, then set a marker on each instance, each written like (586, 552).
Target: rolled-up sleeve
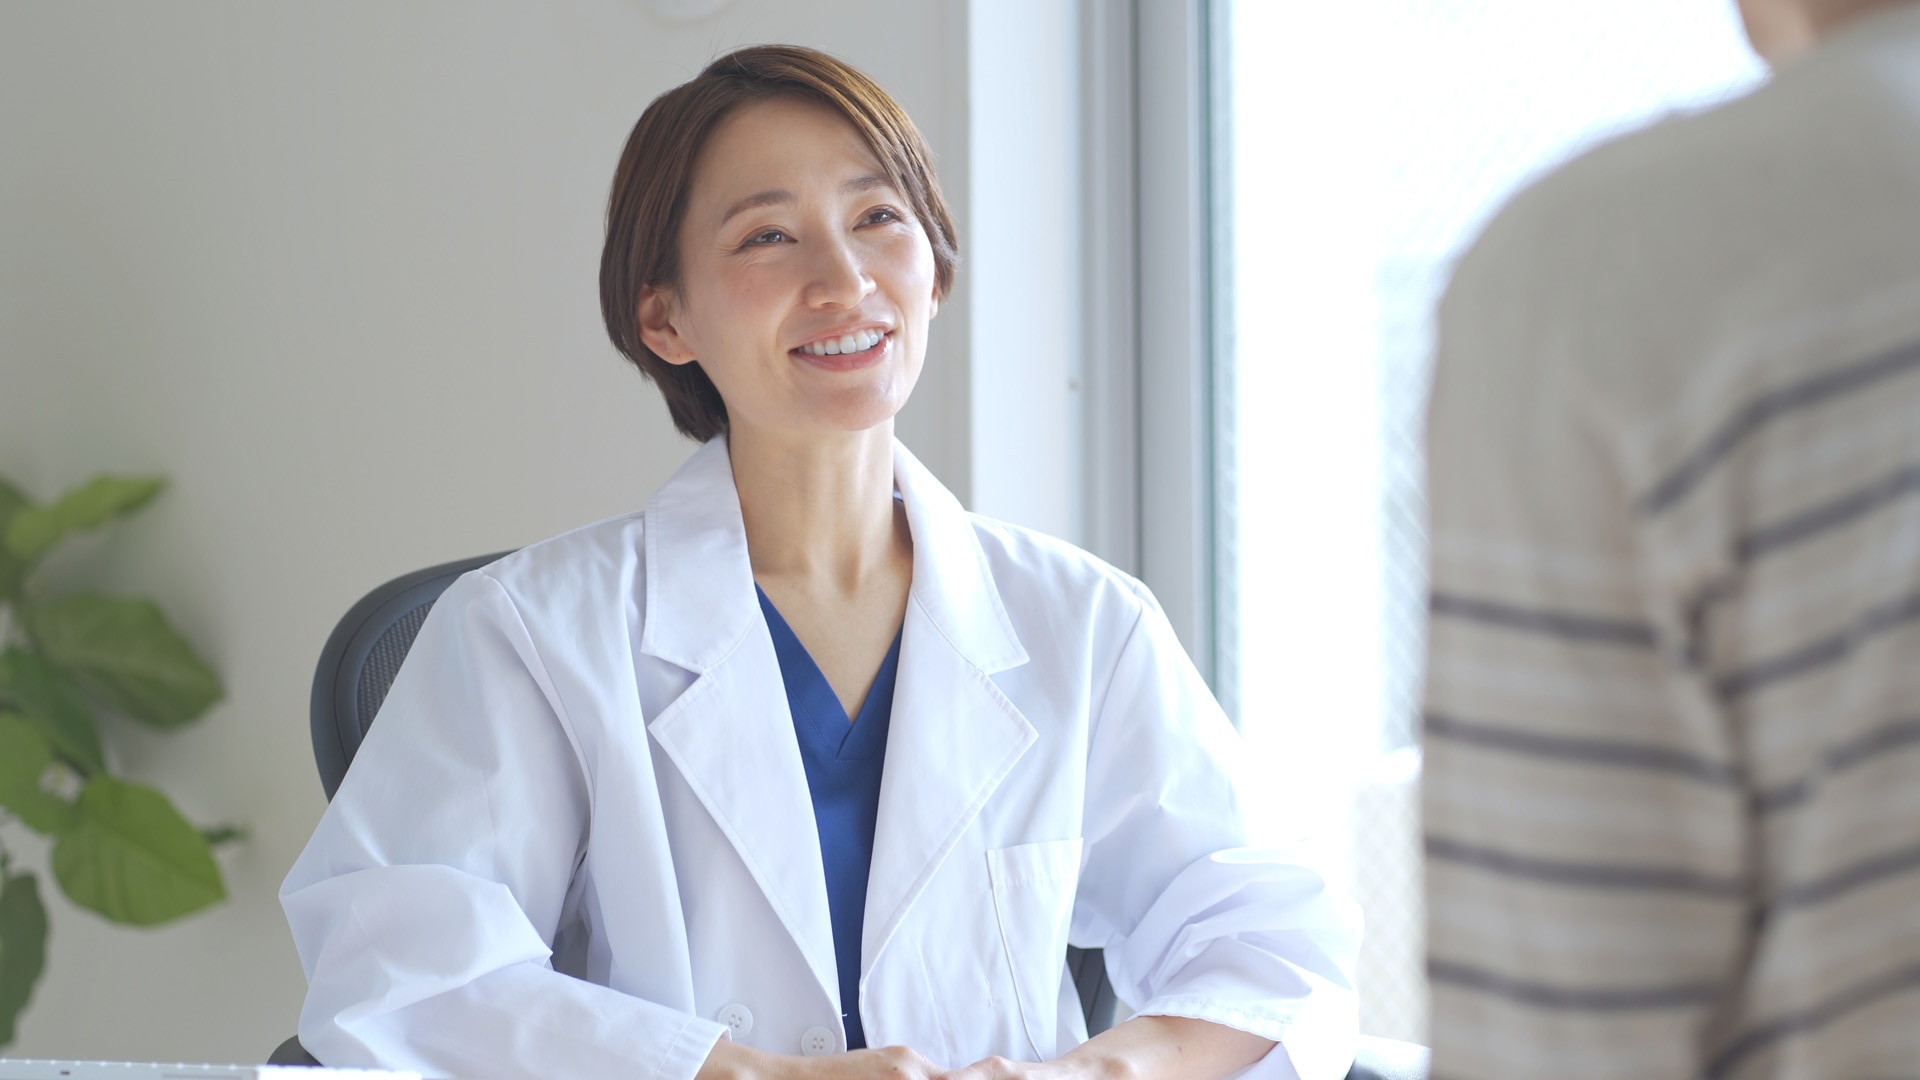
(1194, 922)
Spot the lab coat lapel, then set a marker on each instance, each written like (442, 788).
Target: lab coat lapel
(731, 733)
(953, 736)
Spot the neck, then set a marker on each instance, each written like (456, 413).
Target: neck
(1783, 29)
(819, 511)
(1830, 15)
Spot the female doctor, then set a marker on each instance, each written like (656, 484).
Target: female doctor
(802, 771)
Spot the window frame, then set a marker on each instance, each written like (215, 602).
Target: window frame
(1156, 478)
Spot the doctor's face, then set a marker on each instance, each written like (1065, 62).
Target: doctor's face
(805, 284)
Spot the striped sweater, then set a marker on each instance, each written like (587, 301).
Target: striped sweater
(1672, 802)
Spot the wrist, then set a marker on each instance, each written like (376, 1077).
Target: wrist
(729, 1060)
(1090, 1061)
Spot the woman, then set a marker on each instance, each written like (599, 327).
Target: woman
(802, 770)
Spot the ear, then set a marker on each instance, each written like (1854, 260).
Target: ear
(934, 308)
(659, 316)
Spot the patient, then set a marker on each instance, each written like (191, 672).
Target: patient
(1673, 755)
(801, 770)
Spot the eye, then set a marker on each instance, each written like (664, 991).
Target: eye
(882, 215)
(768, 236)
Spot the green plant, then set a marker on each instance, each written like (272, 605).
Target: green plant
(119, 848)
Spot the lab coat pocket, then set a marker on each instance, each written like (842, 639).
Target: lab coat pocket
(1033, 888)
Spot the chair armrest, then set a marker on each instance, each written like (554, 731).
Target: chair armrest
(292, 1053)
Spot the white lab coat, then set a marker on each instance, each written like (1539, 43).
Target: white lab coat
(579, 840)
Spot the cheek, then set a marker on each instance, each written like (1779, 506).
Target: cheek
(915, 270)
(729, 307)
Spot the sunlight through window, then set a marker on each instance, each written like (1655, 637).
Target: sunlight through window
(1365, 145)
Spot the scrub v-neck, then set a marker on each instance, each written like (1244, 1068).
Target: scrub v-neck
(842, 759)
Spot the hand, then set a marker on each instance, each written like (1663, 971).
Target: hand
(885, 1063)
(732, 1061)
(1145, 1046)
(999, 1068)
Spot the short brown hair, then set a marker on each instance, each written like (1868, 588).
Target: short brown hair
(650, 191)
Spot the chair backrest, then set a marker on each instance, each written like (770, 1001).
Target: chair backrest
(364, 653)
(362, 656)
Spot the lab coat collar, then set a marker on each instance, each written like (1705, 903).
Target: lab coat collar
(699, 600)
(699, 597)
(953, 739)
(731, 734)
(950, 577)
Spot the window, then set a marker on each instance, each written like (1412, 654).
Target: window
(1358, 147)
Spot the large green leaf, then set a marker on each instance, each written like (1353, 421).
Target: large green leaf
(24, 757)
(46, 698)
(35, 529)
(126, 654)
(23, 947)
(12, 567)
(133, 858)
(12, 501)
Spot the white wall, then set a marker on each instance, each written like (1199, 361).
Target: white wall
(332, 268)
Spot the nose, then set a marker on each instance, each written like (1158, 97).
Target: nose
(839, 275)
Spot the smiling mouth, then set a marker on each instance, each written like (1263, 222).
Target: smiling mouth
(847, 344)
(849, 352)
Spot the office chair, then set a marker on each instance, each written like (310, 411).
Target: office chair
(364, 653)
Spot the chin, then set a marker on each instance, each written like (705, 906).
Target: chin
(864, 408)
(863, 414)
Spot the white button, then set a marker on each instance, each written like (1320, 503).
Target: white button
(738, 1018)
(818, 1040)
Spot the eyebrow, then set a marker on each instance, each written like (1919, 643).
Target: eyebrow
(780, 196)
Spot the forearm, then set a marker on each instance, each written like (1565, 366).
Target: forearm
(729, 1060)
(1166, 1048)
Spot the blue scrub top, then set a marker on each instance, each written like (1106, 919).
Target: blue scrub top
(843, 775)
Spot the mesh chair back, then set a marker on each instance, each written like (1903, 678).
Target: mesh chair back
(1097, 1003)
(363, 655)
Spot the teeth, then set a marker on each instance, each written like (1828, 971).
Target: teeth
(848, 343)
